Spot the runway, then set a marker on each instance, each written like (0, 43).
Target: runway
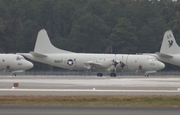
(89, 85)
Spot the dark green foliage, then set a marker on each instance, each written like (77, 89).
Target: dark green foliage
(126, 26)
(123, 37)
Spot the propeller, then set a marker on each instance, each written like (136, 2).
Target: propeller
(8, 68)
(115, 63)
(122, 65)
(139, 69)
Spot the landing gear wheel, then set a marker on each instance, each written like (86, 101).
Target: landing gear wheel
(99, 74)
(14, 74)
(113, 75)
(146, 75)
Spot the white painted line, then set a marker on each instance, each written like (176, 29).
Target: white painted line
(89, 90)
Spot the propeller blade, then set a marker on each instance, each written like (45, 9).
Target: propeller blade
(115, 63)
(122, 65)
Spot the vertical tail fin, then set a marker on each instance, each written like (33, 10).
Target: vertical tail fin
(169, 45)
(44, 46)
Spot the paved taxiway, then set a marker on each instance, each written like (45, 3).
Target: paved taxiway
(89, 85)
(87, 110)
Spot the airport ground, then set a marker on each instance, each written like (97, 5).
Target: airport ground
(89, 85)
(87, 110)
(128, 86)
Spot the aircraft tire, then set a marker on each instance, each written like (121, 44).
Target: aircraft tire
(113, 75)
(14, 74)
(146, 75)
(99, 74)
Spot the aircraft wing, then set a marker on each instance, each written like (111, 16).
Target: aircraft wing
(106, 64)
(92, 65)
(163, 55)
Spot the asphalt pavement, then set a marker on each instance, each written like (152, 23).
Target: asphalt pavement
(87, 110)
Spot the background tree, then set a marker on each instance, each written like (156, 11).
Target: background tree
(90, 34)
(123, 37)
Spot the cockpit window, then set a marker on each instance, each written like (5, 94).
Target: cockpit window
(22, 57)
(19, 58)
(152, 59)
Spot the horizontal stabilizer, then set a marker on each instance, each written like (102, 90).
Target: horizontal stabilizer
(163, 55)
(38, 55)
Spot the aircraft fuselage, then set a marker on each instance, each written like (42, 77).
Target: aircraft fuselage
(82, 61)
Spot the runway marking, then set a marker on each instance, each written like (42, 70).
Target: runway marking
(89, 90)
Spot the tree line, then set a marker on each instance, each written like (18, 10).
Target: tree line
(89, 26)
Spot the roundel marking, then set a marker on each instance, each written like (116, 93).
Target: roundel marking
(70, 62)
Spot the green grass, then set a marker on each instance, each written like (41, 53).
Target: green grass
(92, 100)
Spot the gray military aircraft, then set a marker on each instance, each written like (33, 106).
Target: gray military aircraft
(45, 52)
(14, 63)
(170, 51)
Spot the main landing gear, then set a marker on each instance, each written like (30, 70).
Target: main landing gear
(14, 74)
(99, 74)
(111, 74)
(146, 75)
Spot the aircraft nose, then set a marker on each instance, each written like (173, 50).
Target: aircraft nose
(28, 65)
(161, 65)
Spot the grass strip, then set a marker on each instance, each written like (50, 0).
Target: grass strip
(92, 100)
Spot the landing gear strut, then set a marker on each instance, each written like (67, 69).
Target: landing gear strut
(147, 73)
